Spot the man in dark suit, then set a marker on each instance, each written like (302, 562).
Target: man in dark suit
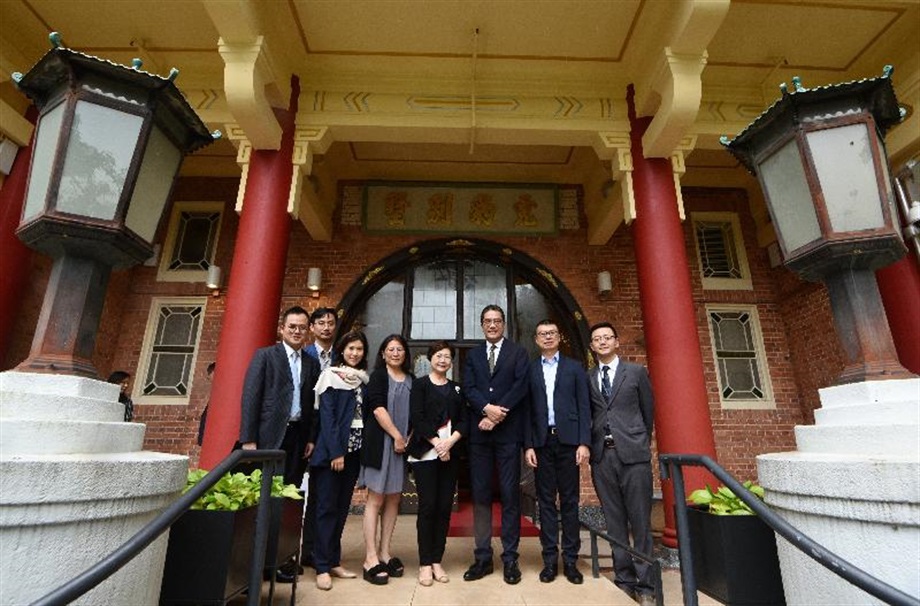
(277, 410)
(556, 439)
(621, 467)
(495, 381)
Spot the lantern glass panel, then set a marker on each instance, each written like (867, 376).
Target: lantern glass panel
(44, 148)
(845, 165)
(783, 178)
(102, 143)
(158, 170)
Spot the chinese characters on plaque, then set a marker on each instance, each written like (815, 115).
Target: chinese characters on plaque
(460, 207)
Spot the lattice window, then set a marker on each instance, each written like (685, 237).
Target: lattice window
(170, 348)
(720, 251)
(739, 356)
(191, 242)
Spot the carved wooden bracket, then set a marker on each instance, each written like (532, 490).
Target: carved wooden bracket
(247, 76)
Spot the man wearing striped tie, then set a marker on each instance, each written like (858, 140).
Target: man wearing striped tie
(621, 457)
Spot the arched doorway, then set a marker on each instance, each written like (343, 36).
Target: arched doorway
(436, 289)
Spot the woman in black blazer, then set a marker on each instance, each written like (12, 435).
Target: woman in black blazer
(438, 415)
(335, 462)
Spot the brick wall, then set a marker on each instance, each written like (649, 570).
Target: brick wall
(801, 348)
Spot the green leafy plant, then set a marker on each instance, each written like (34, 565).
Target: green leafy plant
(724, 502)
(237, 490)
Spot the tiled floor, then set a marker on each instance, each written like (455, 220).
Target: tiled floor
(406, 591)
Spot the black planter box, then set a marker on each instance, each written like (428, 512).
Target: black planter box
(207, 560)
(734, 559)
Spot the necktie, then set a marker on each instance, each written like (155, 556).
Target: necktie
(492, 359)
(295, 377)
(605, 382)
(323, 359)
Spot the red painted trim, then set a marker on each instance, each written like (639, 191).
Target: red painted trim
(15, 257)
(254, 288)
(899, 285)
(682, 421)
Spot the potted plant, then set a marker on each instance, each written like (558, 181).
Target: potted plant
(734, 551)
(210, 546)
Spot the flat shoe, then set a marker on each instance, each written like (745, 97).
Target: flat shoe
(425, 578)
(395, 567)
(324, 581)
(442, 579)
(377, 575)
(343, 573)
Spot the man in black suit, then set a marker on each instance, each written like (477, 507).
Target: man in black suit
(621, 467)
(556, 440)
(495, 381)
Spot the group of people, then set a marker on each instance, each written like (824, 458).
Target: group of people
(322, 406)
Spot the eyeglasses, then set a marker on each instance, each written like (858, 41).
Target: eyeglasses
(493, 322)
(548, 334)
(442, 356)
(297, 328)
(602, 338)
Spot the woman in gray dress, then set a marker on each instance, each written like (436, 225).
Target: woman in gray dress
(386, 422)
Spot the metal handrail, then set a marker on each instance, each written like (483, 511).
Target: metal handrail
(595, 552)
(817, 552)
(112, 563)
(651, 560)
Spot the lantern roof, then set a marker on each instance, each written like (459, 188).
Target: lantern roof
(60, 62)
(874, 94)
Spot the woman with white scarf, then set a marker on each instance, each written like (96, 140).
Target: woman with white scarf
(335, 462)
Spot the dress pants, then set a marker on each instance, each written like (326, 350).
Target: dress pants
(506, 458)
(333, 499)
(435, 482)
(625, 492)
(557, 473)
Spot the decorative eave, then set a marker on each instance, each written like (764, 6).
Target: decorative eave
(877, 95)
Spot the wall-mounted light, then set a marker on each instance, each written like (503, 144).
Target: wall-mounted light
(314, 280)
(213, 282)
(604, 283)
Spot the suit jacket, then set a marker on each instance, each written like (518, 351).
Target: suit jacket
(571, 405)
(628, 413)
(507, 388)
(313, 352)
(336, 412)
(429, 409)
(267, 393)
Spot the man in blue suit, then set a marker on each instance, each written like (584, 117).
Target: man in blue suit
(495, 381)
(556, 439)
(622, 407)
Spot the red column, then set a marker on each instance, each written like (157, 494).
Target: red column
(682, 422)
(15, 257)
(254, 289)
(899, 285)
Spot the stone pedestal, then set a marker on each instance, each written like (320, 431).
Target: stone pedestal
(74, 485)
(853, 485)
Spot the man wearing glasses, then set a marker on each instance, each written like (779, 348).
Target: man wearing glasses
(277, 401)
(495, 381)
(621, 457)
(556, 439)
